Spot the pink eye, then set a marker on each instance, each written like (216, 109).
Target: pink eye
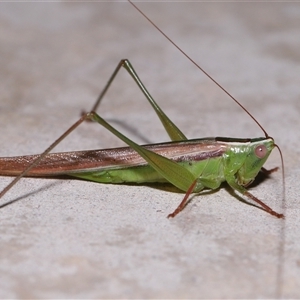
(260, 151)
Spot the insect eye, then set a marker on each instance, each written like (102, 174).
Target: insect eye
(260, 151)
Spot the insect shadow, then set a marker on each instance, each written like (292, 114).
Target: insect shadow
(41, 189)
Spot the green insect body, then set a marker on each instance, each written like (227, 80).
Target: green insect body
(239, 161)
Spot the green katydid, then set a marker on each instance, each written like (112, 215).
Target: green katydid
(190, 165)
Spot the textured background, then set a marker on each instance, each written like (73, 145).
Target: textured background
(71, 238)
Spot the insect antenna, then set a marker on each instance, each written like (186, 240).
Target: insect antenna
(281, 249)
(200, 68)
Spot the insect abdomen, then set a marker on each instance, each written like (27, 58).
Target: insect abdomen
(137, 174)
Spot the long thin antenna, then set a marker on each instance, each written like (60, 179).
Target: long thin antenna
(281, 248)
(190, 59)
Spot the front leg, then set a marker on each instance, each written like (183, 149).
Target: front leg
(268, 172)
(232, 182)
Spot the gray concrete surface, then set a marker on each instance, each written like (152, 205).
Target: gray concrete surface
(78, 239)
